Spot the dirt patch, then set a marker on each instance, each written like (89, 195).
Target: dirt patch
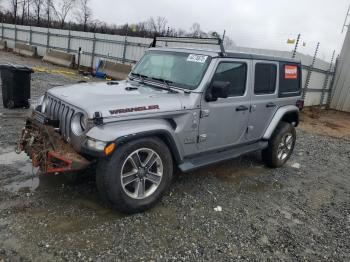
(325, 122)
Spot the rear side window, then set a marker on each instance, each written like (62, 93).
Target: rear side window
(290, 80)
(265, 78)
(235, 73)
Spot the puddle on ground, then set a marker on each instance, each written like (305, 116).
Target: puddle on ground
(29, 181)
(23, 165)
(21, 160)
(25, 186)
(26, 182)
(11, 157)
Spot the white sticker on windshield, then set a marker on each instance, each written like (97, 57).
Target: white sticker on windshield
(197, 58)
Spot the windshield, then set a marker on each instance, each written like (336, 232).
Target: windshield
(178, 69)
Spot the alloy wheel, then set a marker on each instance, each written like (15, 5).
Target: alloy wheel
(141, 173)
(285, 146)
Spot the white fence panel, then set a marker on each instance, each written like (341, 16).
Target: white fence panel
(58, 39)
(22, 34)
(312, 99)
(317, 80)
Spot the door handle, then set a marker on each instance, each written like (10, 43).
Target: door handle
(242, 108)
(270, 105)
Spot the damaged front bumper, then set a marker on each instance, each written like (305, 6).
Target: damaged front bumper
(47, 149)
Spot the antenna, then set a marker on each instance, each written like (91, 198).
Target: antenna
(346, 18)
(223, 36)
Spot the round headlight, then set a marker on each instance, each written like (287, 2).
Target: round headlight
(79, 123)
(83, 122)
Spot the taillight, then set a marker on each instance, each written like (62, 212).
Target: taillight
(300, 104)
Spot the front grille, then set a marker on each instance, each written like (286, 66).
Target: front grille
(59, 110)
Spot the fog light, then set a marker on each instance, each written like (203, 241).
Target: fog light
(95, 144)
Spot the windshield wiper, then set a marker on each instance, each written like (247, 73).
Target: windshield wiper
(142, 77)
(166, 82)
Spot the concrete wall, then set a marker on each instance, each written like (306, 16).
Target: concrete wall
(59, 58)
(341, 93)
(129, 50)
(3, 45)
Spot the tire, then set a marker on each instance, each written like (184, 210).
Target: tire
(279, 149)
(128, 197)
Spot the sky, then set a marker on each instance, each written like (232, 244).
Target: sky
(251, 23)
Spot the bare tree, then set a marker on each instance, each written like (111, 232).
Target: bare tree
(48, 8)
(23, 6)
(157, 25)
(161, 23)
(141, 27)
(37, 6)
(181, 32)
(95, 24)
(196, 30)
(29, 2)
(84, 13)
(61, 9)
(14, 9)
(151, 25)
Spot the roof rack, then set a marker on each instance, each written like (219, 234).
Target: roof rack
(190, 40)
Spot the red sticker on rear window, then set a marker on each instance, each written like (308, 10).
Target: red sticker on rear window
(290, 72)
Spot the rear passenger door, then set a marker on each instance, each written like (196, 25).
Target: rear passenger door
(263, 99)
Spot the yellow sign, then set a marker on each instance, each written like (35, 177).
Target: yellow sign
(290, 41)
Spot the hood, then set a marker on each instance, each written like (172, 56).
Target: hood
(125, 98)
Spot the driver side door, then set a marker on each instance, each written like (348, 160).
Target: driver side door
(224, 122)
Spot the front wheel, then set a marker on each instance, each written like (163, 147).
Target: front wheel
(134, 178)
(281, 145)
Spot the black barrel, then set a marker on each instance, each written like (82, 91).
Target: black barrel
(15, 82)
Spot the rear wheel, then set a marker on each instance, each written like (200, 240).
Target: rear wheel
(281, 145)
(135, 177)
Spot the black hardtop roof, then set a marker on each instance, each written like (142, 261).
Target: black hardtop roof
(260, 57)
(217, 54)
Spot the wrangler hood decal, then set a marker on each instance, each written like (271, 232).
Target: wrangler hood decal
(121, 100)
(133, 109)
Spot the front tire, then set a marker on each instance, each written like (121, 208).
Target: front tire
(281, 145)
(136, 175)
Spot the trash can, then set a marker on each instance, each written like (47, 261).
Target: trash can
(15, 82)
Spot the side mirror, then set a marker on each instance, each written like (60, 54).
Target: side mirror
(218, 89)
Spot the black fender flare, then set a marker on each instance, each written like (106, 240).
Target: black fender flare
(162, 134)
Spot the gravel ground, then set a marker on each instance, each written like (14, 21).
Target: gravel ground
(298, 212)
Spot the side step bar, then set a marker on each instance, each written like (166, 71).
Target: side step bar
(215, 157)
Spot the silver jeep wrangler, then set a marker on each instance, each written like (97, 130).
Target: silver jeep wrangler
(184, 108)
